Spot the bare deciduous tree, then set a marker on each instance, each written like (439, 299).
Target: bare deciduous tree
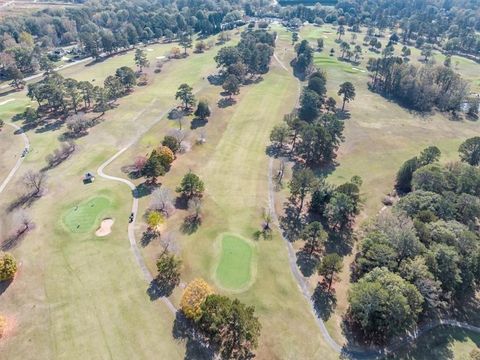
(162, 200)
(34, 183)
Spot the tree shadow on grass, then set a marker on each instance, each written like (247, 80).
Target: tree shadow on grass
(184, 329)
(158, 289)
(142, 190)
(191, 224)
(197, 122)
(307, 263)
(25, 200)
(181, 202)
(148, 237)
(216, 80)
(291, 223)
(324, 301)
(226, 102)
(340, 242)
(4, 285)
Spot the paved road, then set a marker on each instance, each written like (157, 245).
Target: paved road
(12, 172)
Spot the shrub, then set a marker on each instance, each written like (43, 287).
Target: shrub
(8, 266)
(193, 297)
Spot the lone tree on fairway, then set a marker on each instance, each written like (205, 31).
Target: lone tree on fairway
(191, 186)
(34, 183)
(141, 59)
(154, 220)
(154, 167)
(470, 151)
(127, 77)
(294, 37)
(185, 95)
(347, 90)
(314, 237)
(203, 110)
(230, 327)
(185, 42)
(231, 85)
(168, 266)
(8, 266)
(330, 265)
(193, 297)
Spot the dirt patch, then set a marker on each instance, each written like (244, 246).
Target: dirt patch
(105, 227)
(9, 326)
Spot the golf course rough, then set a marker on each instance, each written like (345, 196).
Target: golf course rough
(235, 265)
(85, 216)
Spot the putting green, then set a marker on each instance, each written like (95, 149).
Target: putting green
(84, 216)
(234, 270)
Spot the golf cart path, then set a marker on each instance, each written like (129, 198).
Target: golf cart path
(131, 226)
(12, 172)
(304, 288)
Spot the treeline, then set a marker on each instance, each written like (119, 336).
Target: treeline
(250, 57)
(56, 94)
(452, 25)
(106, 26)
(418, 87)
(424, 255)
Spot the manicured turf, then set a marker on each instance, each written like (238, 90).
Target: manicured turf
(379, 136)
(83, 217)
(69, 302)
(234, 269)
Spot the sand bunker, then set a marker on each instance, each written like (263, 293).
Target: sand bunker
(160, 57)
(105, 227)
(149, 49)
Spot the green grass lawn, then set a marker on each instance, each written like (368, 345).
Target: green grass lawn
(77, 297)
(234, 269)
(234, 167)
(83, 217)
(379, 136)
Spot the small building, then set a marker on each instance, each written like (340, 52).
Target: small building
(88, 178)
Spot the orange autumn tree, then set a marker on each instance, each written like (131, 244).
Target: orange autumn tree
(166, 155)
(193, 297)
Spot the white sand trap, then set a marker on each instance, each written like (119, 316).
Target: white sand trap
(354, 68)
(105, 227)
(149, 49)
(6, 101)
(160, 57)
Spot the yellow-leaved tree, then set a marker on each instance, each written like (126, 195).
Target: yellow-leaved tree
(154, 220)
(193, 297)
(8, 266)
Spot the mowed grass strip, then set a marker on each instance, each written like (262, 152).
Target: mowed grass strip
(234, 269)
(83, 217)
